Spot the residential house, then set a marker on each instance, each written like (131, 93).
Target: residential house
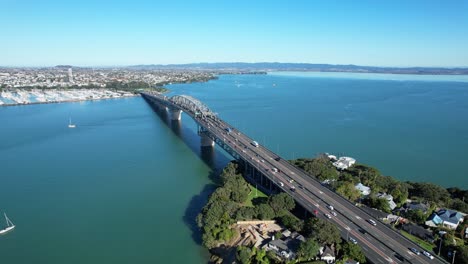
(344, 162)
(417, 206)
(281, 248)
(445, 217)
(418, 231)
(363, 189)
(389, 199)
(327, 254)
(286, 247)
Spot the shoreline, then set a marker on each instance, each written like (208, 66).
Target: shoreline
(69, 101)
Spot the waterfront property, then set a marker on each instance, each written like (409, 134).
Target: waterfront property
(364, 190)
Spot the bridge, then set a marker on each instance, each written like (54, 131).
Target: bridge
(380, 243)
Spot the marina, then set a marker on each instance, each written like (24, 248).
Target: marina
(44, 96)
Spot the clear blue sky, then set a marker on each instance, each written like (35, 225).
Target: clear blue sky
(104, 33)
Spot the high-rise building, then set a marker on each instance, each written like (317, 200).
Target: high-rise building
(70, 75)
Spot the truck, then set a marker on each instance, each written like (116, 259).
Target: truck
(254, 143)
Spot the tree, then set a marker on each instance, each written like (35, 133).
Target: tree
(244, 255)
(265, 212)
(246, 213)
(416, 216)
(308, 249)
(348, 191)
(353, 251)
(291, 222)
(323, 231)
(282, 201)
(378, 203)
(462, 254)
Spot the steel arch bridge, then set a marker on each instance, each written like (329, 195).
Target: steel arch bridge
(195, 106)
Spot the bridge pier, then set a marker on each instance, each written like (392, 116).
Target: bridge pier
(206, 141)
(175, 114)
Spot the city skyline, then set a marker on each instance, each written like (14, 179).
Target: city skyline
(114, 33)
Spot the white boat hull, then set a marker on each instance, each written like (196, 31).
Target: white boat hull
(6, 230)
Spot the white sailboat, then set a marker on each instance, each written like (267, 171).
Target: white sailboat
(9, 227)
(70, 125)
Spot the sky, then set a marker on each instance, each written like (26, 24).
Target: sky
(398, 33)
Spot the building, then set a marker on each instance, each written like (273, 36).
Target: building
(70, 75)
(418, 231)
(351, 261)
(327, 254)
(417, 206)
(389, 199)
(344, 162)
(287, 246)
(363, 189)
(445, 217)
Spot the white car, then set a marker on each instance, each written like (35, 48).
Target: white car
(427, 254)
(330, 207)
(333, 213)
(291, 180)
(328, 216)
(354, 241)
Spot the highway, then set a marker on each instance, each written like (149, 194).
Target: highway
(380, 243)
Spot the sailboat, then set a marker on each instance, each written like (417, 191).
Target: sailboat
(70, 125)
(9, 227)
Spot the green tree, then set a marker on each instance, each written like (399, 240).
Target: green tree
(347, 190)
(244, 254)
(291, 222)
(265, 212)
(282, 201)
(308, 249)
(378, 203)
(353, 251)
(323, 231)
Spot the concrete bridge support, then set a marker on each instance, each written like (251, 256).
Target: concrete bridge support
(206, 141)
(175, 114)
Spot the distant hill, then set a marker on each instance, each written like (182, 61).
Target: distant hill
(278, 66)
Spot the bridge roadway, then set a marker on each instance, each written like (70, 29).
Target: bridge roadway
(380, 243)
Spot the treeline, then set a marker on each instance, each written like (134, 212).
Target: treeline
(228, 204)
(343, 182)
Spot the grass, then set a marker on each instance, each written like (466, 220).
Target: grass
(254, 193)
(424, 244)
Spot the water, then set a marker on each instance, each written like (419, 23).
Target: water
(124, 187)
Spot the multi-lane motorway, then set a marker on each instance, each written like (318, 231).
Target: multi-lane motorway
(380, 243)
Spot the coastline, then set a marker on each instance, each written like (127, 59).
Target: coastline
(69, 101)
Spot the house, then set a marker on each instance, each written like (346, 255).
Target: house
(287, 247)
(327, 254)
(363, 189)
(445, 217)
(344, 162)
(417, 206)
(280, 247)
(389, 199)
(418, 231)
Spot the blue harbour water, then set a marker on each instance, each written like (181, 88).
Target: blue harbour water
(124, 186)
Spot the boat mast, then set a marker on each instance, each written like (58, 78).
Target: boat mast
(9, 223)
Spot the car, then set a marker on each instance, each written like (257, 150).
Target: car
(399, 257)
(427, 254)
(315, 212)
(291, 180)
(274, 169)
(262, 161)
(354, 241)
(331, 207)
(333, 213)
(362, 231)
(293, 189)
(277, 158)
(328, 216)
(415, 251)
(301, 187)
(228, 130)
(372, 222)
(281, 184)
